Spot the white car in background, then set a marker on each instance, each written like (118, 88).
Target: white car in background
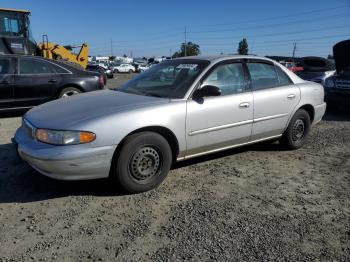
(124, 68)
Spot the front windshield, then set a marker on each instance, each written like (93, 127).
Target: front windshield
(13, 24)
(169, 79)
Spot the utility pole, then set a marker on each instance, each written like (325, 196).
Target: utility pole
(170, 52)
(111, 47)
(294, 48)
(185, 41)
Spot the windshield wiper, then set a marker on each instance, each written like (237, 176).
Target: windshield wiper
(152, 94)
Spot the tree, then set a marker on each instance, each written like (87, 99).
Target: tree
(192, 49)
(111, 58)
(125, 56)
(330, 57)
(243, 47)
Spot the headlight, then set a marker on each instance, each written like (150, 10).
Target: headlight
(58, 137)
(329, 83)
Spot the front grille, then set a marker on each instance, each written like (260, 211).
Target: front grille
(29, 129)
(342, 83)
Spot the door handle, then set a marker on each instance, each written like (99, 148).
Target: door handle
(4, 82)
(244, 105)
(290, 97)
(52, 81)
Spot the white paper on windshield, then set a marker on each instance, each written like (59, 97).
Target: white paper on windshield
(187, 66)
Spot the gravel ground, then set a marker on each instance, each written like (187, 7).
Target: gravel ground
(257, 203)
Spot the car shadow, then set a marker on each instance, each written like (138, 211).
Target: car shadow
(337, 115)
(20, 183)
(262, 146)
(18, 113)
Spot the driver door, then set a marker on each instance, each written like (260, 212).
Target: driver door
(220, 122)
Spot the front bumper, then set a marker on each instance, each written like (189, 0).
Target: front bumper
(75, 162)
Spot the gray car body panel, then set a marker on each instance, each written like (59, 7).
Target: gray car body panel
(216, 124)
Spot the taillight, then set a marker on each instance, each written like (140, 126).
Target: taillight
(101, 82)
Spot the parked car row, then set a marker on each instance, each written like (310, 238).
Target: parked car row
(27, 81)
(123, 68)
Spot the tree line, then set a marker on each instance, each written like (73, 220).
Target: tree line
(193, 49)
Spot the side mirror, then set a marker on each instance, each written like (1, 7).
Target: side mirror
(207, 90)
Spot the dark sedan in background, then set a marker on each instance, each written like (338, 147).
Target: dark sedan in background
(337, 87)
(27, 81)
(316, 69)
(106, 73)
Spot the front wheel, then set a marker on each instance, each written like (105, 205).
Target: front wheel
(143, 162)
(298, 130)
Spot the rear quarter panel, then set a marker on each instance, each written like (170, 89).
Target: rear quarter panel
(312, 94)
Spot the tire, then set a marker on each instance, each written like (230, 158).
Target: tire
(298, 130)
(116, 71)
(143, 162)
(69, 91)
(130, 71)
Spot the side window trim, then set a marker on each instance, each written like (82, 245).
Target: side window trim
(19, 67)
(12, 66)
(247, 61)
(279, 79)
(247, 87)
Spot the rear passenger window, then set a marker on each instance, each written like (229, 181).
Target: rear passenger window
(263, 75)
(34, 66)
(4, 66)
(283, 77)
(60, 70)
(228, 77)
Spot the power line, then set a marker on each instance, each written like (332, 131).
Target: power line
(276, 17)
(312, 20)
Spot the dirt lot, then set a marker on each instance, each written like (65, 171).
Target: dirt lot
(257, 203)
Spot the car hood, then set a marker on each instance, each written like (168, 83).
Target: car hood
(69, 112)
(341, 53)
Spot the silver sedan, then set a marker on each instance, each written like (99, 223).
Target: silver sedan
(176, 110)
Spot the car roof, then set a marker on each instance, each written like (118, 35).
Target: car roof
(217, 58)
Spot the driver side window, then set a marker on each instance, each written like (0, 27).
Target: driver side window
(228, 77)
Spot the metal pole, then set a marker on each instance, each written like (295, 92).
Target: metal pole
(294, 48)
(111, 47)
(185, 41)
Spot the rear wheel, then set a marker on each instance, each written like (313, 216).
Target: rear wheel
(143, 163)
(130, 71)
(298, 130)
(69, 91)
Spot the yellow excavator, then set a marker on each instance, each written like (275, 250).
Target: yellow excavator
(16, 38)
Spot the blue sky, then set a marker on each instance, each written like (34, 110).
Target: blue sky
(155, 28)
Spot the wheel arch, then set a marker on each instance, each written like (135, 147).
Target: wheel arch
(310, 110)
(161, 130)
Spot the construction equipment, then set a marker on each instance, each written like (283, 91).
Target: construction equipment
(58, 52)
(16, 38)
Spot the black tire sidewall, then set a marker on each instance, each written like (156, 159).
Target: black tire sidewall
(121, 172)
(288, 141)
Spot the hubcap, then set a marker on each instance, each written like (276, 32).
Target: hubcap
(298, 130)
(145, 163)
(70, 93)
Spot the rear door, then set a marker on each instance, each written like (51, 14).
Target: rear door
(275, 96)
(36, 81)
(6, 82)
